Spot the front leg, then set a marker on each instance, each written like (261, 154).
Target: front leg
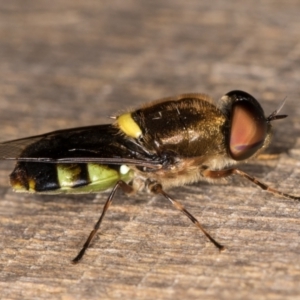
(227, 172)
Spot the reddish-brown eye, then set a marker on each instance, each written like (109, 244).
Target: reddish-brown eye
(248, 129)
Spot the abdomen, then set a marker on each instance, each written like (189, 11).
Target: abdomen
(66, 178)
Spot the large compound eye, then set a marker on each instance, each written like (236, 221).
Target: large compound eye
(248, 126)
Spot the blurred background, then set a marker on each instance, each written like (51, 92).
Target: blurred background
(62, 57)
(74, 63)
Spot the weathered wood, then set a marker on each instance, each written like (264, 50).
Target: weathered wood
(73, 63)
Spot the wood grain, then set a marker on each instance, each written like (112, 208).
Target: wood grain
(74, 63)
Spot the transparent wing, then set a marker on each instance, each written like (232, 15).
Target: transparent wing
(98, 144)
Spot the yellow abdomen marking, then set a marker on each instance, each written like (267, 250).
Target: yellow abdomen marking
(129, 126)
(68, 175)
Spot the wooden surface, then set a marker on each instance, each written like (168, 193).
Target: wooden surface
(73, 63)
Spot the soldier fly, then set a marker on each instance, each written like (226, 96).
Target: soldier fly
(170, 142)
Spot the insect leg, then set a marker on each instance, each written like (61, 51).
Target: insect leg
(224, 173)
(267, 156)
(127, 189)
(156, 188)
(263, 185)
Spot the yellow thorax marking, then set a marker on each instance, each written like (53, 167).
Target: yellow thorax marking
(129, 126)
